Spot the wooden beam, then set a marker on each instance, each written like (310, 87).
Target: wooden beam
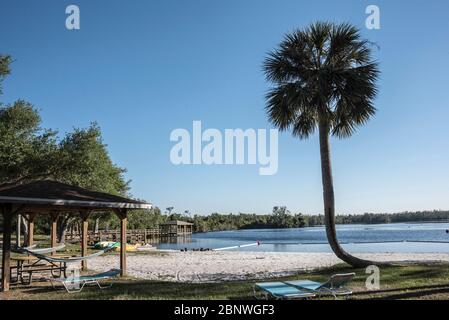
(47, 209)
(31, 217)
(123, 222)
(84, 236)
(6, 253)
(18, 230)
(54, 226)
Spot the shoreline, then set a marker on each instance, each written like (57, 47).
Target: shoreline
(216, 266)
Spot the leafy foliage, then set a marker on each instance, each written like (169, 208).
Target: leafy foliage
(321, 74)
(280, 218)
(375, 218)
(29, 152)
(26, 151)
(84, 161)
(137, 219)
(5, 61)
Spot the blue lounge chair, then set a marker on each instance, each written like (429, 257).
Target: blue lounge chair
(280, 290)
(335, 286)
(76, 284)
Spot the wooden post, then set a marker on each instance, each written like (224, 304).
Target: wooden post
(84, 236)
(53, 237)
(31, 217)
(123, 245)
(54, 226)
(6, 253)
(121, 213)
(18, 230)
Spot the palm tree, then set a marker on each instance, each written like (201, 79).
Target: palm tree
(323, 78)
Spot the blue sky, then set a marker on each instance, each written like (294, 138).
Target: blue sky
(143, 68)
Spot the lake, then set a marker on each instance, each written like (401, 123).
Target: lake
(395, 237)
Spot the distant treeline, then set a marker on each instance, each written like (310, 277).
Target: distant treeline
(279, 218)
(374, 218)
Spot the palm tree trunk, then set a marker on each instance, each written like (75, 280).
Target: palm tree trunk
(329, 201)
(97, 225)
(62, 227)
(25, 232)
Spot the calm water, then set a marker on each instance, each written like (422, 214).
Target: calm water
(398, 237)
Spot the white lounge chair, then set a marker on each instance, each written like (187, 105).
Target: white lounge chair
(76, 283)
(335, 286)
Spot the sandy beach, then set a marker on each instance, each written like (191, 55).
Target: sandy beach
(223, 266)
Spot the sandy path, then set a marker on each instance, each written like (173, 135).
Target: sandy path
(220, 266)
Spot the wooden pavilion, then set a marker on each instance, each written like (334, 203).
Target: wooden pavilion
(53, 198)
(175, 228)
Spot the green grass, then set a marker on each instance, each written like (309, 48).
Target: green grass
(424, 281)
(421, 281)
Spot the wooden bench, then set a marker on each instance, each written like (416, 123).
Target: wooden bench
(27, 265)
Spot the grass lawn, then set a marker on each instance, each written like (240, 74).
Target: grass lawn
(424, 281)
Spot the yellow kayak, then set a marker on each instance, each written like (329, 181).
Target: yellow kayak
(105, 244)
(129, 247)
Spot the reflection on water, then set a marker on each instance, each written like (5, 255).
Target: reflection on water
(176, 240)
(399, 237)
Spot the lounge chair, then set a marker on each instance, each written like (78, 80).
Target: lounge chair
(280, 290)
(335, 286)
(76, 283)
(33, 249)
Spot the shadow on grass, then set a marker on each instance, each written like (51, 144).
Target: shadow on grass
(375, 292)
(415, 294)
(401, 282)
(142, 289)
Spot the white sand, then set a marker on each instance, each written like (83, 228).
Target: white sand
(221, 266)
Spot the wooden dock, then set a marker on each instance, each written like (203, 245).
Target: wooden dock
(165, 233)
(142, 236)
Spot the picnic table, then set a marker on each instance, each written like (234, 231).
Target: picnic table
(27, 265)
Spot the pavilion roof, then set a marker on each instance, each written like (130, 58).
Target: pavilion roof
(177, 222)
(52, 193)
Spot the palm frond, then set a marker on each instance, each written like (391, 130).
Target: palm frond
(323, 73)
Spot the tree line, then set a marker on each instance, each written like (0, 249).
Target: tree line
(279, 218)
(282, 218)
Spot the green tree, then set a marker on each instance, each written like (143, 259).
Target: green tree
(5, 61)
(83, 160)
(28, 152)
(143, 219)
(324, 78)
